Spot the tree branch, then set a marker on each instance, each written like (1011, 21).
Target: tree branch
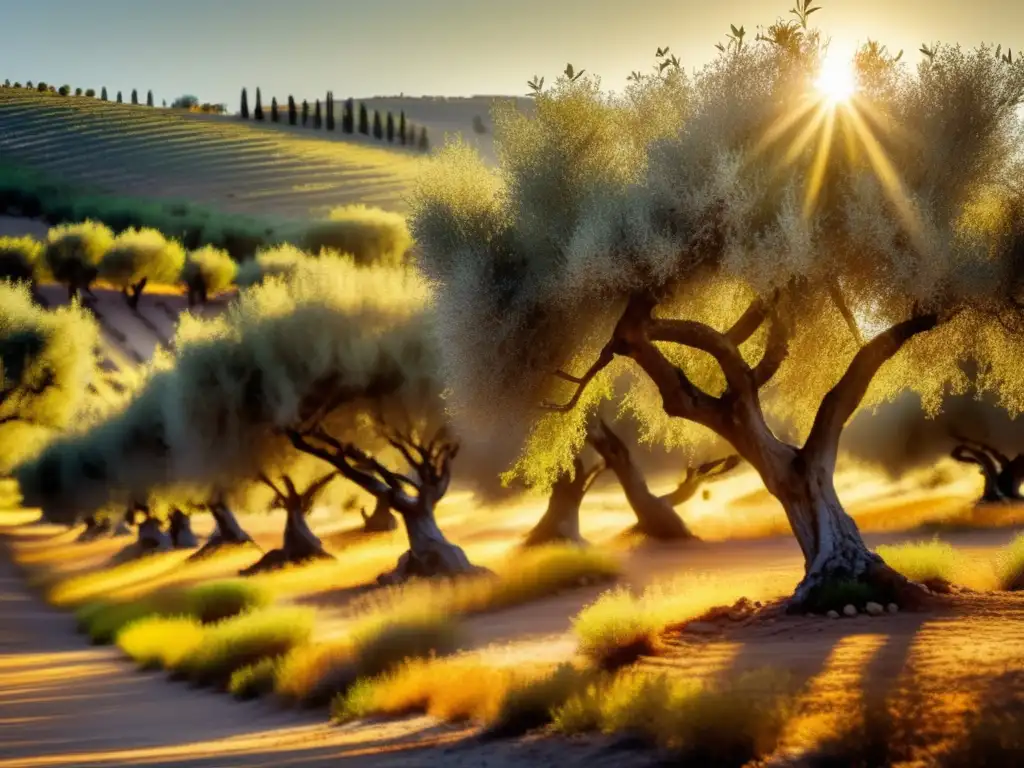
(603, 360)
(776, 348)
(836, 294)
(365, 480)
(751, 319)
(705, 338)
(844, 398)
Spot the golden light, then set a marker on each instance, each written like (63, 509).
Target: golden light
(837, 81)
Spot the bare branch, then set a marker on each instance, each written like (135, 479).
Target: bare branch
(842, 400)
(603, 360)
(776, 348)
(338, 459)
(267, 482)
(751, 319)
(705, 338)
(836, 294)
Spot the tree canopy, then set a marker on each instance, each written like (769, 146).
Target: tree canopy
(760, 259)
(710, 191)
(47, 363)
(331, 344)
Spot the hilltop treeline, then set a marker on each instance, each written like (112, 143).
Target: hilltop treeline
(384, 127)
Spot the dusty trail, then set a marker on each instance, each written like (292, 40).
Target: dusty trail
(63, 704)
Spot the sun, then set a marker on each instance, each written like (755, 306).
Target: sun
(836, 81)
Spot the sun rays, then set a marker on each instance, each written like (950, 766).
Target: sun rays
(837, 80)
(835, 111)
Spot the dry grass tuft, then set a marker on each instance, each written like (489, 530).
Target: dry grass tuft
(244, 640)
(937, 564)
(525, 577)
(314, 675)
(1010, 565)
(254, 680)
(728, 724)
(449, 689)
(620, 627)
(206, 603)
(161, 642)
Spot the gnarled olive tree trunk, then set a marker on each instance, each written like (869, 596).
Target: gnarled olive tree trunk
(835, 555)
(180, 531)
(430, 553)
(561, 522)
(381, 520)
(300, 544)
(1002, 474)
(229, 533)
(133, 293)
(95, 528)
(655, 516)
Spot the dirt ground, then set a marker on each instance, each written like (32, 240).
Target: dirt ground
(63, 703)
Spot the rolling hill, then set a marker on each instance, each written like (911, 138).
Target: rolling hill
(219, 161)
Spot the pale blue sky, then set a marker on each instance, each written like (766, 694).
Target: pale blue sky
(211, 48)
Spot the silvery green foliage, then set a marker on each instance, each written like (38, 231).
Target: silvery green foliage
(214, 414)
(532, 263)
(47, 364)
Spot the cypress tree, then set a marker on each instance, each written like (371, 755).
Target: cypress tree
(318, 120)
(119, 99)
(135, 97)
(402, 135)
(364, 120)
(257, 113)
(330, 110)
(424, 143)
(273, 109)
(348, 120)
(293, 115)
(378, 129)
(305, 112)
(149, 99)
(244, 109)
(103, 93)
(390, 128)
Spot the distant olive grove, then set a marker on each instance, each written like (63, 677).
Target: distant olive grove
(386, 127)
(77, 255)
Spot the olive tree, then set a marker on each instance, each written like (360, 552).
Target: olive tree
(702, 234)
(269, 262)
(48, 362)
(138, 257)
(207, 271)
(299, 369)
(73, 253)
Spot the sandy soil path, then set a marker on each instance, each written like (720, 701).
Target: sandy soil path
(63, 703)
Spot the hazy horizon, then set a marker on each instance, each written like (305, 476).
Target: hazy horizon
(453, 48)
